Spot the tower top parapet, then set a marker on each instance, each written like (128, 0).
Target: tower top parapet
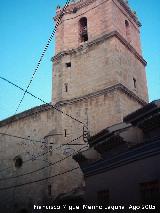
(75, 5)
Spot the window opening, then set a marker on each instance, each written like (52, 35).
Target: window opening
(135, 83)
(65, 133)
(83, 29)
(127, 30)
(18, 162)
(66, 87)
(68, 64)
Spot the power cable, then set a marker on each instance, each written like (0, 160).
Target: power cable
(47, 104)
(43, 53)
(41, 154)
(26, 91)
(42, 168)
(20, 137)
(31, 182)
(39, 180)
(31, 140)
(43, 102)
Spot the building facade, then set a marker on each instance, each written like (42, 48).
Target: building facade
(121, 165)
(98, 78)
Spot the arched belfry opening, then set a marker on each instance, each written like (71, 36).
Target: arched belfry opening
(83, 29)
(127, 26)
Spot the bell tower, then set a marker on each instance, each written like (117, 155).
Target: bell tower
(98, 69)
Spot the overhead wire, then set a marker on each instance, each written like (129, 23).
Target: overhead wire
(39, 180)
(43, 102)
(42, 168)
(41, 154)
(54, 107)
(31, 182)
(26, 92)
(43, 53)
(31, 140)
(47, 104)
(20, 137)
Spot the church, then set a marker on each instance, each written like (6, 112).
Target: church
(98, 78)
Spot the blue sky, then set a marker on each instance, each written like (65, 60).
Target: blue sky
(25, 28)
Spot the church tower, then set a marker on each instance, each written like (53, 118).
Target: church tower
(98, 69)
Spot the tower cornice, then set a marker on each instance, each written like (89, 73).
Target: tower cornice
(101, 39)
(83, 3)
(111, 89)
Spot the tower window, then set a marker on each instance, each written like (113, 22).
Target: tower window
(66, 87)
(127, 26)
(68, 64)
(75, 9)
(49, 190)
(18, 161)
(134, 83)
(65, 133)
(83, 29)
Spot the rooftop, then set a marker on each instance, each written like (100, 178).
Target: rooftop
(25, 114)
